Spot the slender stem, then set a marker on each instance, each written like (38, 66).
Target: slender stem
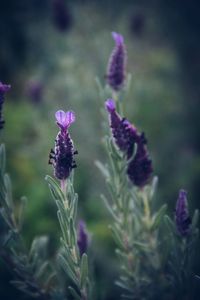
(63, 185)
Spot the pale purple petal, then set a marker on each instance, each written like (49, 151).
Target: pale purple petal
(110, 105)
(61, 118)
(64, 119)
(4, 87)
(70, 117)
(118, 38)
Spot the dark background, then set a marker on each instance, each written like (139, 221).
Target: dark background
(51, 57)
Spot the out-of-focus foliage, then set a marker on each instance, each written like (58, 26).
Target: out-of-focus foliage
(66, 64)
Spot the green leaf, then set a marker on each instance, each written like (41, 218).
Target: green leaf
(102, 168)
(8, 187)
(21, 212)
(84, 269)
(68, 270)
(63, 227)
(72, 232)
(170, 224)
(117, 237)
(55, 188)
(195, 219)
(74, 293)
(158, 217)
(153, 186)
(74, 207)
(123, 286)
(2, 159)
(39, 247)
(110, 209)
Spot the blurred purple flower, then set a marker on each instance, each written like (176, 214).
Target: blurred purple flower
(182, 217)
(62, 157)
(137, 24)
(34, 90)
(61, 15)
(117, 63)
(4, 88)
(83, 239)
(124, 134)
(140, 167)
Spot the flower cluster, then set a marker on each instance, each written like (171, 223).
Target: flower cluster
(117, 64)
(126, 137)
(3, 89)
(182, 217)
(62, 157)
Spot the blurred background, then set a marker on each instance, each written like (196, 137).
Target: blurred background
(51, 52)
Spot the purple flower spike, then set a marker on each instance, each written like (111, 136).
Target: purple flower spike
(116, 74)
(83, 239)
(182, 217)
(64, 119)
(118, 38)
(110, 105)
(4, 88)
(140, 168)
(125, 135)
(62, 157)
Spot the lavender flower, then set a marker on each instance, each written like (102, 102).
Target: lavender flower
(61, 15)
(82, 238)
(182, 217)
(62, 157)
(125, 134)
(3, 89)
(140, 167)
(117, 63)
(34, 90)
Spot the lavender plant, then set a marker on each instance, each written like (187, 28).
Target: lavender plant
(72, 255)
(33, 273)
(136, 226)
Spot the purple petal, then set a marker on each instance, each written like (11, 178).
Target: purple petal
(70, 117)
(64, 119)
(118, 38)
(110, 105)
(4, 87)
(61, 118)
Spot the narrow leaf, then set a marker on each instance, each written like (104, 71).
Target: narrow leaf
(84, 269)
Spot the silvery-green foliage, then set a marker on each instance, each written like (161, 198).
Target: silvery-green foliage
(31, 270)
(74, 265)
(134, 226)
(181, 251)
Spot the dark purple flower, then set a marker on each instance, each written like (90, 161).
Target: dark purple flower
(83, 239)
(125, 134)
(182, 217)
(3, 89)
(62, 157)
(34, 90)
(140, 167)
(61, 15)
(117, 63)
(137, 24)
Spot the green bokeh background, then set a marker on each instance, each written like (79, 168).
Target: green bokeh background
(163, 58)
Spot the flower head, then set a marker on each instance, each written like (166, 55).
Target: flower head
(124, 134)
(83, 239)
(117, 63)
(140, 167)
(62, 157)
(4, 88)
(182, 218)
